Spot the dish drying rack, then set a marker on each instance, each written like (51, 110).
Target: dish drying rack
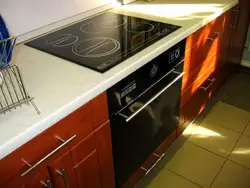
(12, 91)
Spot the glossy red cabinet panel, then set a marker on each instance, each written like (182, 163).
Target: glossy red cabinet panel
(62, 172)
(88, 173)
(105, 155)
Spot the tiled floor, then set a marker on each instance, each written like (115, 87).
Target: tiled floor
(214, 152)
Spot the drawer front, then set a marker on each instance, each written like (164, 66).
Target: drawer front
(198, 100)
(196, 58)
(192, 108)
(203, 33)
(191, 77)
(197, 78)
(72, 129)
(79, 123)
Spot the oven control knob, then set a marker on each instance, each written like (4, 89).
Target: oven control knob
(177, 53)
(153, 70)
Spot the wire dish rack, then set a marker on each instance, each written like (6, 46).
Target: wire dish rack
(12, 91)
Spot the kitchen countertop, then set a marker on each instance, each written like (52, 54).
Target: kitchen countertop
(60, 87)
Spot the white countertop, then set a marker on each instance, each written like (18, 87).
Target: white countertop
(60, 87)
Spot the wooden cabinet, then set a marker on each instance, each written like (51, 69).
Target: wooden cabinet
(88, 172)
(75, 152)
(92, 159)
(240, 25)
(207, 65)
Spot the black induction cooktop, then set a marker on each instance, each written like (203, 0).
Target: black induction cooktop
(103, 41)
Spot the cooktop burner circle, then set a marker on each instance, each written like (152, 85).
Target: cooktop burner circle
(96, 47)
(62, 40)
(139, 27)
(97, 28)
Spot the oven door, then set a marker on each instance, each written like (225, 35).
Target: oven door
(141, 127)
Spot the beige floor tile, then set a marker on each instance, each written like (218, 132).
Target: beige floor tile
(241, 152)
(229, 116)
(232, 176)
(214, 138)
(170, 180)
(247, 130)
(196, 164)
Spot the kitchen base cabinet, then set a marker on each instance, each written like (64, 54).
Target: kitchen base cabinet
(209, 71)
(87, 172)
(75, 152)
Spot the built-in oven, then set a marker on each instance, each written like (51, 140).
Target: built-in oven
(144, 110)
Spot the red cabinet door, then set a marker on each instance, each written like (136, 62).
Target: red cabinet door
(40, 181)
(105, 156)
(62, 172)
(88, 173)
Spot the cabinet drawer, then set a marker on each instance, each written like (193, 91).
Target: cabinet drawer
(198, 37)
(191, 77)
(198, 100)
(192, 108)
(73, 128)
(196, 59)
(198, 77)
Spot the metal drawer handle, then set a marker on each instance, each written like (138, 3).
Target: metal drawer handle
(236, 10)
(217, 34)
(152, 99)
(232, 26)
(47, 184)
(209, 85)
(32, 167)
(158, 160)
(211, 39)
(63, 174)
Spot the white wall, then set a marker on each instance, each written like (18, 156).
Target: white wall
(23, 16)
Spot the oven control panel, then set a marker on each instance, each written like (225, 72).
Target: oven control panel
(174, 55)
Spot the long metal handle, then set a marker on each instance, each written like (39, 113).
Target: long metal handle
(63, 174)
(158, 160)
(32, 167)
(152, 99)
(217, 34)
(47, 184)
(209, 85)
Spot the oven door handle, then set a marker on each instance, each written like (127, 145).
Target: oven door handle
(128, 118)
